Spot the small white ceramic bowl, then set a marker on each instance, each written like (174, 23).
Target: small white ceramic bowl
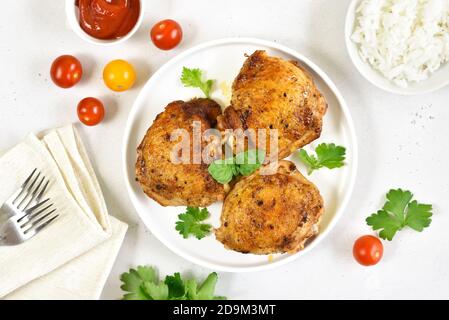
(436, 81)
(73, 20)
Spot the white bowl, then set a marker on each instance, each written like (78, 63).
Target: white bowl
(436, 81)
(73, 20)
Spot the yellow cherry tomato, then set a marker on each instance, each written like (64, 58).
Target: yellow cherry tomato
(119, 75)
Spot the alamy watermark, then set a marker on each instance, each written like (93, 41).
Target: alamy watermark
(205, 146)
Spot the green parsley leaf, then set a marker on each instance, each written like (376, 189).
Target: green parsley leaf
(249, 161)
(328, 155)
(418, 216)
(388, 224)
(309, 160)
(191, 288)
(244, 163)
(192, 78)
(207, 288)
(156, 291)
(397, 202)
(222, 170)
(398, 212)
(176, 286)
(133, 280)
(144, 285)
(190, 223)
(205, 291)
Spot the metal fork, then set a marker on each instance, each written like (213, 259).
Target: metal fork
(25, 212)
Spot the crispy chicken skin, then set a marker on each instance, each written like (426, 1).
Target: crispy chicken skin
(177, 184)
(266, 214)
(272, 93)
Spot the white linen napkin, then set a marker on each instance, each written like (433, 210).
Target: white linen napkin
(73, 256)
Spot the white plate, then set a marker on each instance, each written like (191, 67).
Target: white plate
(222, 60)
(437, 80)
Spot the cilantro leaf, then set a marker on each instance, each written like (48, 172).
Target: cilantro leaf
(192, 78)
(418, 216)
(398, 212)
(205, 291)
(387, 223)
(397, 202)
(133, 281)
(222, 171)
(244, 163)
(143, 284)
(330, 155)
(327, 155)
(207, 288)
(309, 160)
(190, 223)
(249, 161)
(176, 285)
(191, 288)
(156, 291)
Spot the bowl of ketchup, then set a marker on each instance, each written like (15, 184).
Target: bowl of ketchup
(105, 22)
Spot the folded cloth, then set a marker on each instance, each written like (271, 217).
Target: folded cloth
(82, 278)
(83, 242)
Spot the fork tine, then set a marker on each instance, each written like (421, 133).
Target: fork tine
(34, 194)
(36, 220)
(43, 225)
(30, 210)
(22, 187)
(33, 231)
(28, 190)
(39, 197)
(29, 178)
(31, 215)
(43, 219)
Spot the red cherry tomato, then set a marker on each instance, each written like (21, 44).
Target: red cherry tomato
(90, 111)
(66, 71)
(166, 34)
(368, 250)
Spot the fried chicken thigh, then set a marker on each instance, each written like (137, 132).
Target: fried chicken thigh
(266, 214)
(180, 184)
(272, 93)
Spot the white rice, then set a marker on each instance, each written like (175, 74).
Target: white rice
(406, 40)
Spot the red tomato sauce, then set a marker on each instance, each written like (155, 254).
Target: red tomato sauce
(108, 19)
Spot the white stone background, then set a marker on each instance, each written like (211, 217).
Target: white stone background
(402, 140)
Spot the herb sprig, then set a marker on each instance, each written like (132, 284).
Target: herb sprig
(244, 163)
(193, 78)
(398, 212)
(142, 283)
(328, 155)
(190, 223)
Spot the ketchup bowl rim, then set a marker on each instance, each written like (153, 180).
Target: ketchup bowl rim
(73, 20)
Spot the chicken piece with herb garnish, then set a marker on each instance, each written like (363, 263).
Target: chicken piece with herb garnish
(274, 213)
(273, 93)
